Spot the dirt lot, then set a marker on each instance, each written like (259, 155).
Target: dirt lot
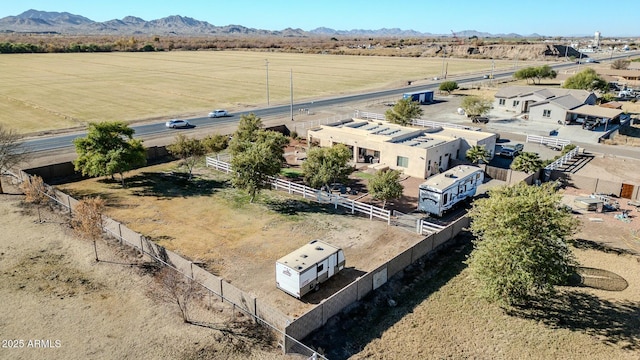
(53, 290)
(225, 234)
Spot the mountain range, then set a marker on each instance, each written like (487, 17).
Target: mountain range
(34, 21)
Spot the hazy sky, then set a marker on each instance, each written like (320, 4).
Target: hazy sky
(544, 17)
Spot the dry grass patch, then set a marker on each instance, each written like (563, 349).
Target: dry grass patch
(439, 316)
(56, 91)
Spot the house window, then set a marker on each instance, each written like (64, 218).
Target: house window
(516, 103)
(502, 101)
(320, 267)
(546, 113)
(446, 197)
(402, 161)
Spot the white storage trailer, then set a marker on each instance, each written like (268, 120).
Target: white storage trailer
(441, 192)
(306, 268)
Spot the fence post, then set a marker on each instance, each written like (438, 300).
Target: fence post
(255, 310)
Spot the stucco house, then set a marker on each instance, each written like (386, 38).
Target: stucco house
(417, 152)
(519, 99)
(554, 105)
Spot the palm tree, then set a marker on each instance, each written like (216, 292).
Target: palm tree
(528, 162)
(477, 154)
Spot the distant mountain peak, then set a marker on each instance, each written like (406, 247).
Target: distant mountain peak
(66, 23)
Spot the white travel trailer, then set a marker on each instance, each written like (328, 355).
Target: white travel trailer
(304, 269)
(441, 192)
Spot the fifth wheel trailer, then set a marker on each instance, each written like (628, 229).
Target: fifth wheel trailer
(441, 192)
(306, 268)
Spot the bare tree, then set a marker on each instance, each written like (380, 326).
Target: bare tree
(12, 151)
(177, 289)
(35, 190)
(87, 216)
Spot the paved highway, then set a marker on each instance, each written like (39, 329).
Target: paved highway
(145, 131)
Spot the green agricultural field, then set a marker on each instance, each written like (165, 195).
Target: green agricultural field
(42, 92)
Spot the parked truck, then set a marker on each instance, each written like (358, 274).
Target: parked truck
(307, 267)
(443, 191)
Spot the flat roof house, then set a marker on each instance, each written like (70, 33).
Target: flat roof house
(417, 152)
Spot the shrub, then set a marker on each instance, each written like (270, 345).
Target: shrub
(35, 190)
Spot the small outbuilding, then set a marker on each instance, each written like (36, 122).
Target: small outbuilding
(422, 97)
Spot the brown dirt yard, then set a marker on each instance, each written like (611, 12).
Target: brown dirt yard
(207, 221)
(53, 290)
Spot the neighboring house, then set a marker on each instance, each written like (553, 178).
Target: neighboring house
(626, 76)
(542, 104)
(555, 109)
(416, 152)
(518, 99)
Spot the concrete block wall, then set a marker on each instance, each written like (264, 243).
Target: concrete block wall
(338, 301)
(422, 248)
(399, 262)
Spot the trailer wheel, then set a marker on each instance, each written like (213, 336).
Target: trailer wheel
(317, 287)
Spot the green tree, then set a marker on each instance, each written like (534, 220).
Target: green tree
(215, 143)
(324, 166)
(533, 73)
(258, 161)
(12, 151)
(246, 133)
(528, 162)
(475, 105)
(385, 185)
(109, 148)
(525, 74)
(586, 79)
(448, 86)
(403, 112)
(189, 150)
(520, 248)
(477, 154)
(545, 72)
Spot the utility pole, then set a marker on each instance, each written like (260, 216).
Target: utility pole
(444, 52)
(493, 65)
(267, 64)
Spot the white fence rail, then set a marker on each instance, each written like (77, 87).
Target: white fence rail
(563, 160)
(315, 194)
(427, 228)
(368, 115)
(416, 122)
(543, 140)
(435, 124)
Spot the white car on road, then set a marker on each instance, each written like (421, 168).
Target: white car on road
(177, 124)
(218, 113)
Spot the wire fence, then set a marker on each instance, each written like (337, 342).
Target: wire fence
(213, 286)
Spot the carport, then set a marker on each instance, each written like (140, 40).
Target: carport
(595, 115)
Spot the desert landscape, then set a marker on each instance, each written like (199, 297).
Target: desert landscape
(56, 292)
